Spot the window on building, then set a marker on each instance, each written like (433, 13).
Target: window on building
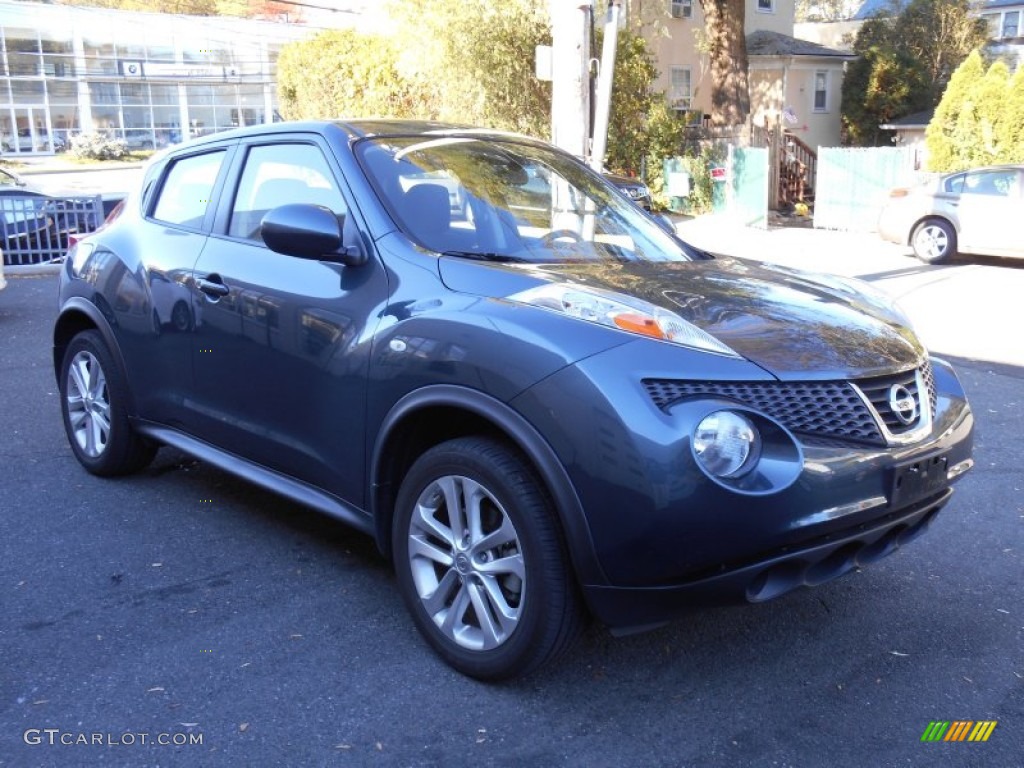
(1011, 24)
(821, 91)
(58, 54)
(993, 20)
(766, 6)
(681, 9)
(100, 58)
(23, 52)
(680, 91)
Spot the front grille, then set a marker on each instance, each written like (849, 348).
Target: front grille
(878, 392)
(826, 409)
(929, 383)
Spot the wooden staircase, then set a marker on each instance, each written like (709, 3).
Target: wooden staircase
(792, 165)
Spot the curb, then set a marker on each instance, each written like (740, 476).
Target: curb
(39, 170)
(31, 270)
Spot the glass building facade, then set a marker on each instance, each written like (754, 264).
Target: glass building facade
(150, 79)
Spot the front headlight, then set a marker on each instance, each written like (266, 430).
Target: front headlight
(625, 313)
(726, 444)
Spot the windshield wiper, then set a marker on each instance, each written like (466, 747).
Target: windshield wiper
(485, 256)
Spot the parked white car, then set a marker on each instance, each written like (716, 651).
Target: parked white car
(972, 212)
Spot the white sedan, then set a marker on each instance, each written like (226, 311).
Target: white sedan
(971, 212)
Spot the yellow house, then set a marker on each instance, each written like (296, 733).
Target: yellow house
(795, 82)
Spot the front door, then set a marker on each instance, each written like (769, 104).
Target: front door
(281, 357)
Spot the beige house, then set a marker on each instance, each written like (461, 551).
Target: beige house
(792, 81)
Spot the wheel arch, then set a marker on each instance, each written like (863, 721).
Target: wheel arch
(924, 219)
(436, 413)
(79, 315)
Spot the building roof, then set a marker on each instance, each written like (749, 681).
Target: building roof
(871, 8)
(993, 5)
(765, 43)
(916, 120)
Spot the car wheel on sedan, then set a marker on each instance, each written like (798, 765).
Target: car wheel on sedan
(934, 241)
(94, 396)
(480, 560)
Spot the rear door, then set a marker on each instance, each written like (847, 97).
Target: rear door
(281, 344)
(154, 301)
(990, 207)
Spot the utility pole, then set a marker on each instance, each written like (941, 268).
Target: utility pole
(602, 110)
(570, 71)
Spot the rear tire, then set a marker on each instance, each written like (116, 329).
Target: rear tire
(480, 560)
(94, 396)
(934, 241)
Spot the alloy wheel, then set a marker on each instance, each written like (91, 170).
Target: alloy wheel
(932, 242)
(88, 404)
(466, 562)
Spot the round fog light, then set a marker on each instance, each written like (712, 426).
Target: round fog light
(726, 443)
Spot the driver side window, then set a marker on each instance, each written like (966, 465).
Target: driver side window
(279, 174)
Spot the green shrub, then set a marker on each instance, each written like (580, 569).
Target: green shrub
(95, 146)
(697, 161)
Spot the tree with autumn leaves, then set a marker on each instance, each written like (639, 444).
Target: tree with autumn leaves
(905, 61)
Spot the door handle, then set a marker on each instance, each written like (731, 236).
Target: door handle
(213, 288)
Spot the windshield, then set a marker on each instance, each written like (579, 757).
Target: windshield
(500, 199)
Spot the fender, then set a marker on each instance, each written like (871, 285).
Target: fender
(99, 320)
(525, 437)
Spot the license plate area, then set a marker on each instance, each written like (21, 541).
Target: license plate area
(918, 480)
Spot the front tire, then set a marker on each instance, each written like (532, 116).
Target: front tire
(94, 396)
(934, 241)
(480, 560)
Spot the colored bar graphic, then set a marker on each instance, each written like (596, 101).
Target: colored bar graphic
(959, 730)
(982, 730)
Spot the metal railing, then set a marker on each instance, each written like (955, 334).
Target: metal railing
(37, 229)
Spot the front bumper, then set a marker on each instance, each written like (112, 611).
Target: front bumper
(772, 575)
(667, 537)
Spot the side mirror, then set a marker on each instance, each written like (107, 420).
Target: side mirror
(308, 232)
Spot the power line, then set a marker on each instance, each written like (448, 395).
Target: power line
(317, 7)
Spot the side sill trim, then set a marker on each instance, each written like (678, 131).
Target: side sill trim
(295, 490)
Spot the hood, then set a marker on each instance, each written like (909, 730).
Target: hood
(794, 325)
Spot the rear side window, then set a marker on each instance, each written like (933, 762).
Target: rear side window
(954, 184)
(187, 190)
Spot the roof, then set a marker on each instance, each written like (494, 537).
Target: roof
(868, 9)
(993, 5)
(916, 120)
(871, 8)
(765, 43)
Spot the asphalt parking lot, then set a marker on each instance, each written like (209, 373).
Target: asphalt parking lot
(185, 604)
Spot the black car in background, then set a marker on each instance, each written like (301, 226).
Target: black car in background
(473, 348)
(38, 225)
(634, 188)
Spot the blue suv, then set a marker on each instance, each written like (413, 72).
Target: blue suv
(541, 404)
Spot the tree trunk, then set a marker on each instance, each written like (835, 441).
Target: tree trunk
(730, 94)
